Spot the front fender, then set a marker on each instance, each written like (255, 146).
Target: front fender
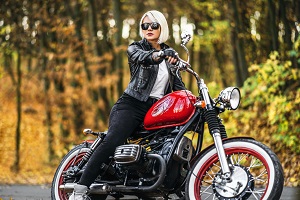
(195, 158)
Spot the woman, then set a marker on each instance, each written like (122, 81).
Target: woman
(151, 78)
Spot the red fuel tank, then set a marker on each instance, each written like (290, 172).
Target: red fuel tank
(174, 109)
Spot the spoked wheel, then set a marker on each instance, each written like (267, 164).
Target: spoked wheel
(71, 159)
(256, 173)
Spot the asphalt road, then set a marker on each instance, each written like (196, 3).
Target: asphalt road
(25, 192)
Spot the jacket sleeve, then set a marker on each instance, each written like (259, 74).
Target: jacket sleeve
(137, 55)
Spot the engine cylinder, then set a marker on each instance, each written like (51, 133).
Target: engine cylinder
(127, 154)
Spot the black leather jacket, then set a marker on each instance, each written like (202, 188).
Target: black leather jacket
(144, 70)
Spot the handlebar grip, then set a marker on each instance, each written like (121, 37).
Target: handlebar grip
(160, 53)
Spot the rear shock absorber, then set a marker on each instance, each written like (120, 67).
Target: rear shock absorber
(76, 168)
(86, 157)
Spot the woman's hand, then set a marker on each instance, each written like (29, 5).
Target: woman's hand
(172, 60)
(171, 55)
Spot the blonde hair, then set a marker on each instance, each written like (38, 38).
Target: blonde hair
(156, 16)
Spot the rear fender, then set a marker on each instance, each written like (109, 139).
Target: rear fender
(195, 158)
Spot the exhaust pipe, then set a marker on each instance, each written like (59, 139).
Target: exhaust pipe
(96, 188)
(159, 181)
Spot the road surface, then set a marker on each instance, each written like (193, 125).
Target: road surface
(26, 192)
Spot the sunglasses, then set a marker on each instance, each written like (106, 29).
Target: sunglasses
(153, 25)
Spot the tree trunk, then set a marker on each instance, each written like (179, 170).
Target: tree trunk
(7, 66)
(106, 45)
(93, 9)
(240, 52)
(75, 11)
(238, 79)
(16, 166)
(46, 85)
(220, 63)
(118, 55)
(296, 6)
(101, 47)
(287, 28)
(272, 25)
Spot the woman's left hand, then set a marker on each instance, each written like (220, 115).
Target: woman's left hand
(172, 60)
(171, 55)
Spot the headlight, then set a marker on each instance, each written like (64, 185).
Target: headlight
(230, 97)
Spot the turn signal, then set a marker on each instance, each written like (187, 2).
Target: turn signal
(200, 104)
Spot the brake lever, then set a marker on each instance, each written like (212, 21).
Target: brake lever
(181, 64)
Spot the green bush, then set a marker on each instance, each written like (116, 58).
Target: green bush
(270, 112)
(272, 94)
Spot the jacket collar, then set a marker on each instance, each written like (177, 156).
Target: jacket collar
(148, 46)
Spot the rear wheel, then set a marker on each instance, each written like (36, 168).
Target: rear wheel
(71, 159)
(256, 173)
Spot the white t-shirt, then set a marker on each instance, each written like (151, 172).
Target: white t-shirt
(161, 81)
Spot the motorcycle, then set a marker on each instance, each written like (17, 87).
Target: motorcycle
(165, 159)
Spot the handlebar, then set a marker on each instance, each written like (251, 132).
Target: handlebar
(183, 65)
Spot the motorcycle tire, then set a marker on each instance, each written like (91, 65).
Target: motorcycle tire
(256, 173)
(73, 157)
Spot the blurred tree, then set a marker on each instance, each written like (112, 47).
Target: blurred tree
(237, 42)
(273, 25)
(45, 47)
(19, 111)
(16, 44)
(118, 61)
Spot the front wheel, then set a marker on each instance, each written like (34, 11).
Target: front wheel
(256, 173)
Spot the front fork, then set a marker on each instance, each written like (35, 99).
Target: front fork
(215, 129)
(222, 156)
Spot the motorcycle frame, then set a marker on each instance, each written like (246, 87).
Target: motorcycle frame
(199, 129)
(197, 118)
(182, 131)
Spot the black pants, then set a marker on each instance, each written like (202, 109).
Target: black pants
(126, 115)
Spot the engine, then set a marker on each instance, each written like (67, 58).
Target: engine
(132, 158)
